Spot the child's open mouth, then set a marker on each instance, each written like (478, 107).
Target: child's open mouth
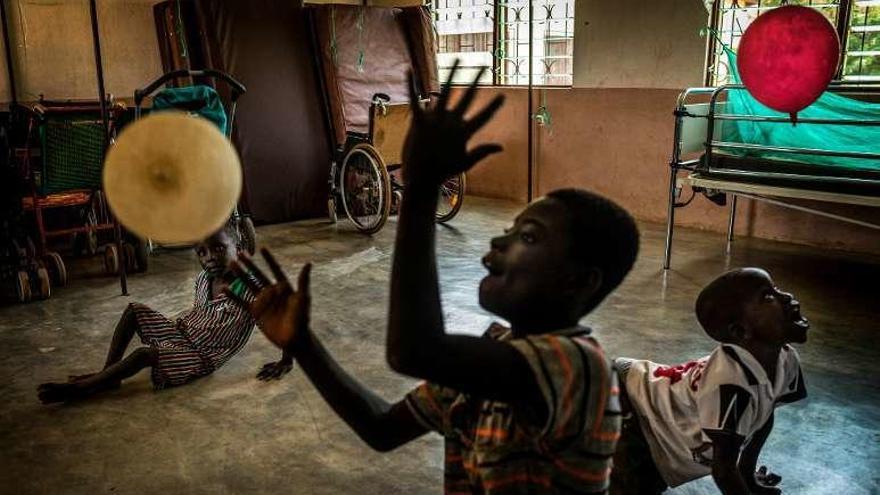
(797, 318)
(491, 265)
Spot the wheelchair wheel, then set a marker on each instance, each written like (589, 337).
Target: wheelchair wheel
(451, 197)
(365, 188)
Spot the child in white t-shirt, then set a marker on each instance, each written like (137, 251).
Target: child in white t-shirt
(712, 415)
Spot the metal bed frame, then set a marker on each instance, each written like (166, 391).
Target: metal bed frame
(703, 176)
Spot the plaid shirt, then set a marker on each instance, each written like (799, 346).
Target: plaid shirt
(495, 448)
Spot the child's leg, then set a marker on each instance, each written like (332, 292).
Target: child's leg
(109, 377)
(122, 335)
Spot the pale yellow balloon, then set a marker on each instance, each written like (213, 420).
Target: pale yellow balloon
(172, 177)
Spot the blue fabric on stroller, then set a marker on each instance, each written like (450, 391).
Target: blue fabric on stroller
(196, 100)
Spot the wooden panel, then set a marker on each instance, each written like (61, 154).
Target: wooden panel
(333, 2)
(368, 3)
(389, 131)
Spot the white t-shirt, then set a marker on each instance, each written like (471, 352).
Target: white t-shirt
(682, 408)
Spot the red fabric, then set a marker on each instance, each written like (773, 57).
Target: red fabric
(787, 57)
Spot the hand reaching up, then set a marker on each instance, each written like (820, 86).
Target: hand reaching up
(436, 145)
(282, 313)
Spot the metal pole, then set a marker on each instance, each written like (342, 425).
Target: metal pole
(105, 121)
(670, 217)
(9, 69)
(531, 134)
(731, 223)
(710, 44)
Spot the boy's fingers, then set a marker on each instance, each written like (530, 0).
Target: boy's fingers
(280, 276)
(305, 276)
(245, 277)
(469, 95)
(476, 123)
(256, 272)
(481, 152)
(447, 87)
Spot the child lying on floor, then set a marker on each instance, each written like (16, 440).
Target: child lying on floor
(712, 415)
(530, 408)
(193, 345)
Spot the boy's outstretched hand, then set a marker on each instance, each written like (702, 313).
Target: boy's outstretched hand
(282, 313)
(436, 145)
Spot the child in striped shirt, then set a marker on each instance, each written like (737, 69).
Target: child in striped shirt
(528, 408)
(177, 351)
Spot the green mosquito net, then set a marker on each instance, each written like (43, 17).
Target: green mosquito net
(830, 137)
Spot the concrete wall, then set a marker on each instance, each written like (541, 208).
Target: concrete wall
(614, 135)
(52, 48)
(639, 43)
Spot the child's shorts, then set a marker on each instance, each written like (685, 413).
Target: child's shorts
(634, 471)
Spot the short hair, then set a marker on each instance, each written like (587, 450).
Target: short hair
(721, 303)
(603, 235)
(231, 228)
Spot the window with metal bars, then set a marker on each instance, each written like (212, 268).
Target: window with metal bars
(857, 23)
(495, 34)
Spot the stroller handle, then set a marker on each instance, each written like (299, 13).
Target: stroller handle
(238, 88)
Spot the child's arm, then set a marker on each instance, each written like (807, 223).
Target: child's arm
(761, 482)
(724, 465)
(417, 345)
(283, 316)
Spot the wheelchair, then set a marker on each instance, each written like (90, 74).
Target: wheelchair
(363, 174)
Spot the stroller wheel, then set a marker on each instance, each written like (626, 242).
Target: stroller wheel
(55, 266)
(248, 234)
(130, 260)
(141, 255)
(43, 286)
(23, 287)
(111, 260)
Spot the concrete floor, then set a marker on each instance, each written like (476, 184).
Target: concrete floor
(230, 433)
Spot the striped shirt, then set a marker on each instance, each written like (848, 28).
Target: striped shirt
(495, 448)
(198, 341)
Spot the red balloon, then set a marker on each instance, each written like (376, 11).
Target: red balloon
(787, 57)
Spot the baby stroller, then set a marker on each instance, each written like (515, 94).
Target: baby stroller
(58, 149)
(203, 101)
